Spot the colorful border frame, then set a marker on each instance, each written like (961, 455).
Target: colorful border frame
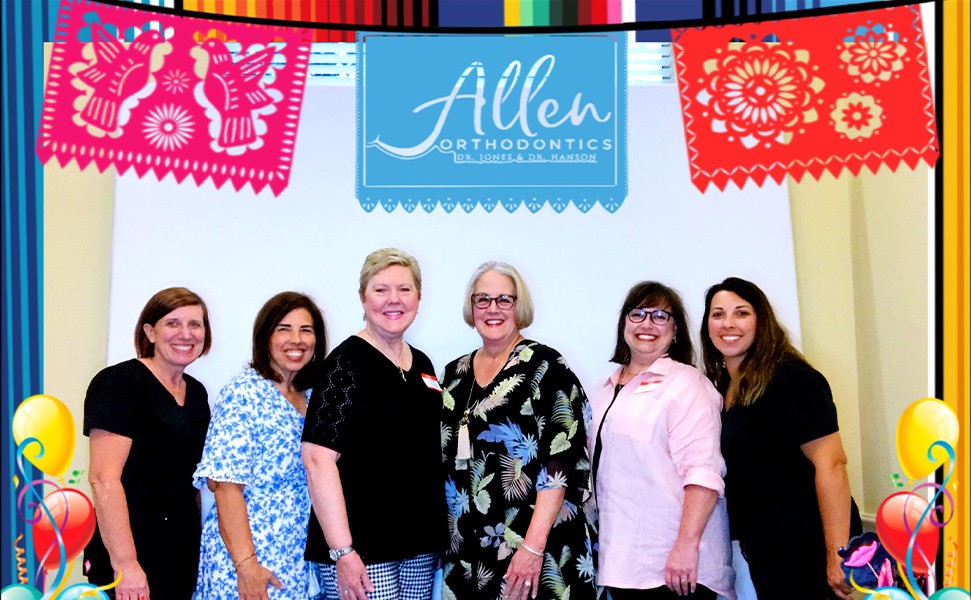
(27, 24)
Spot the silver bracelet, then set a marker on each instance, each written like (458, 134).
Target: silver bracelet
(530, 550)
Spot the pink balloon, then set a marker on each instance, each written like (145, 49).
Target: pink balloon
(893, 533)
(74, 515)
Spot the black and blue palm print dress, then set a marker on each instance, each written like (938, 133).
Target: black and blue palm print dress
(527, 430)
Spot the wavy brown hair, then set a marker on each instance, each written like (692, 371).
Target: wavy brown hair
(770, 346)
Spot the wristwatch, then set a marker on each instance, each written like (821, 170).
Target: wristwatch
(339, 552)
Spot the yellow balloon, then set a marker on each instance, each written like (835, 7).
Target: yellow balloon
(47, 419)
(922, 423)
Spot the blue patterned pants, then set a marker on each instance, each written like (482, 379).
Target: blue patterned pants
(400, 580)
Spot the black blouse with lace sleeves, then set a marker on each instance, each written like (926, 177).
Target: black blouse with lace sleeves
(330, 412)
(384, 423)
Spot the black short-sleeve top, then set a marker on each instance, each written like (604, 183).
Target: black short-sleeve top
(167, 439)
(385, 426)
(769, 479)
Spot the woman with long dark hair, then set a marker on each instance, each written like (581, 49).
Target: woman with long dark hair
(788, 493)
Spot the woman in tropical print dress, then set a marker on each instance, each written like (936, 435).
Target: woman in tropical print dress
(514, 445)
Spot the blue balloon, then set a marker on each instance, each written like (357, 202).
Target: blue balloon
(951, 593)
(73, 592)
(19, 591)
(889, 593)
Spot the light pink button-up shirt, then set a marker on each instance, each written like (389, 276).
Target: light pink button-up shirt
(661, 434)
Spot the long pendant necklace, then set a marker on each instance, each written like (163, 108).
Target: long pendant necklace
(464, 452)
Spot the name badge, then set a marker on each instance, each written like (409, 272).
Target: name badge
(647, 386)
(431, 382)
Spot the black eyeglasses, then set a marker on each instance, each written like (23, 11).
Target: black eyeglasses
(503, 301)
(659, 316)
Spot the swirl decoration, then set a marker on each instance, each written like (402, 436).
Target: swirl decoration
(62, 522)
(908, 525)
(39, 508)
(930, 511)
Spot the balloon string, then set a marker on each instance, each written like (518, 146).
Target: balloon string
(57, 531)
(935, 521)
(62, 581)
(33, 505)
(910, 579)
(905, 576)
(94, 591)
(863, 590)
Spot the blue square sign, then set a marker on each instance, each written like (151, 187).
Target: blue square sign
(466, 120)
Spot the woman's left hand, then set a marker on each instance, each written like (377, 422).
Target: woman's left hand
(837, 580)
(253, 579)
(522, 576)
(681, 569)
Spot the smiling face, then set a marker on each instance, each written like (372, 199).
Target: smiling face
(494, 324)
(390, 302)
(177, 337)
(731, 326)
(292, 343)
(647, 340)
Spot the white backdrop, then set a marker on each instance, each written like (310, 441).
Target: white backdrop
(236, 249)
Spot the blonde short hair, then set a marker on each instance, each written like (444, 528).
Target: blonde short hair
(524, 302)
(381, 259)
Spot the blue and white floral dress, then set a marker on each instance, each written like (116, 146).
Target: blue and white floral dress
(254, 440)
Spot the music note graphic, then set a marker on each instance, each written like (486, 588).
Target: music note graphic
(895, 477)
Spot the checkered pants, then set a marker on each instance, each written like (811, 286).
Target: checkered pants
(400, 580)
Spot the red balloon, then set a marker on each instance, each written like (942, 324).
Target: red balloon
(74, 515)
(893, 533)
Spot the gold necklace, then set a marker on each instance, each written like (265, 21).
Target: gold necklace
(399, 361)
(387, 353)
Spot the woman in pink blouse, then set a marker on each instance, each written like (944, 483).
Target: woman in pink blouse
(657, 468)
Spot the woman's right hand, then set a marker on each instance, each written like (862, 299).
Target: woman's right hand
(353, 582)
(134, 582)
(252, 579)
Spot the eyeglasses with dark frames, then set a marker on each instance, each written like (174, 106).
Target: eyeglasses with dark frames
(503, 301)
(659, 316)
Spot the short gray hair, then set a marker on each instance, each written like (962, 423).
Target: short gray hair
(524, 302)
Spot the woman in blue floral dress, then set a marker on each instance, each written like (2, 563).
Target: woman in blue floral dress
(514, 445)
(253, 541)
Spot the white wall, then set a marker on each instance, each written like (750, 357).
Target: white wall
(237, 249)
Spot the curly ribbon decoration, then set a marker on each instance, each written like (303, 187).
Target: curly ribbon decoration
(21, 561)
(62, 581)
(94, 591)
(869, 592)
(905, 575)
(909, 579)
(30, 520)
(40, 503)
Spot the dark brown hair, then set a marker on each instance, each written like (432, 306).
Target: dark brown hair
(770, 346)
(652, 293)
(161, 304)
(275, 309)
